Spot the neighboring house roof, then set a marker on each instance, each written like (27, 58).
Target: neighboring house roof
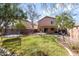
(76, 26)
(29, 25)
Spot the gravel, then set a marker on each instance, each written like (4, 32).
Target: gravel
(5, 52)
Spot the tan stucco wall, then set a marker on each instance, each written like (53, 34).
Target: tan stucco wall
(74, 34)
(46, 22)
(28, 25)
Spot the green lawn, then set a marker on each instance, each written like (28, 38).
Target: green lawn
(34, 45)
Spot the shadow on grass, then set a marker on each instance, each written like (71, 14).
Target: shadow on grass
(12, 44)
(16, 41)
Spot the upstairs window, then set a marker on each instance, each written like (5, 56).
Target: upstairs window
(51, 22)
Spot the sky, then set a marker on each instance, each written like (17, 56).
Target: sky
(54, 9)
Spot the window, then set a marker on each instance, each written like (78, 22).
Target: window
(51, 22)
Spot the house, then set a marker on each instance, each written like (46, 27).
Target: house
(29, 25)
(14, 30)
(47, 25)
(29, 28)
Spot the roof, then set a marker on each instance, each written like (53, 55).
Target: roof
(76, 26)
(29, 24)
(46, 17)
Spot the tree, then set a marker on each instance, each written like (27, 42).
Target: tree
(9, 13)
(64, 21)
(20, 26)
(32, 13)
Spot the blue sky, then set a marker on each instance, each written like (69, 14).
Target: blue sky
(59, 8)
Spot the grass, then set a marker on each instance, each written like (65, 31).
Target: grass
(35, 45)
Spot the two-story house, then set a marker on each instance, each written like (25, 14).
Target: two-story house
(47, 25)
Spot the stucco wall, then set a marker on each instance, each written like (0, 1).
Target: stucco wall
(46, 22)
(74, 34)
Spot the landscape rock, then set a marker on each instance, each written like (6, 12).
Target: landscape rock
(5, 52)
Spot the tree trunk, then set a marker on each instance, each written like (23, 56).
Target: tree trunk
(32, 24)
(6, 26)
(63, 37)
